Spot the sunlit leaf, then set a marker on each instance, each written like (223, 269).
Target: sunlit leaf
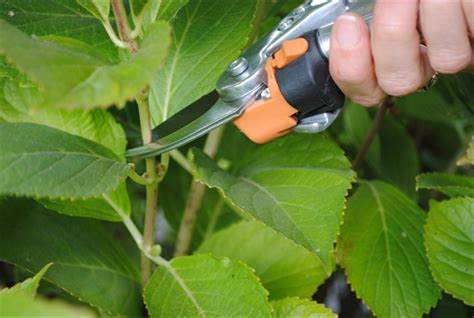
(449, 239)
(204, 286)
(381, 249)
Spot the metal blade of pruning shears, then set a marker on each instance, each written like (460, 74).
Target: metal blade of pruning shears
(187, 125)
(280, 84)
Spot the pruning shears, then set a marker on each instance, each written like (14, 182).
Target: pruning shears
(281, 84)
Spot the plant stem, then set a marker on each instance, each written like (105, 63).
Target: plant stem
(123, 25)
(141, 180)
(151, 206)
(137, 237)
(195, 198)
(388, 102)
(111, 33)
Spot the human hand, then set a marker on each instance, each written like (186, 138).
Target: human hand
(390, 60)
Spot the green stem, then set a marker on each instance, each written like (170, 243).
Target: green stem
(151, 206)
(134, 232)
(111, 33)
(141, 180)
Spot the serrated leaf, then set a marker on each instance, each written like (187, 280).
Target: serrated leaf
(44, 162)
(285, 268)
(59, 18)
(28, 287)
(296, 308)
(296, 185)
(449, 240)
(202, 47)
(97, 208)
(205, 286)
(21, 306)
(381, 250)
(449, 184)
(98, 126)
(98, 8)
(169, 8)
(89, 262)
(74, 79)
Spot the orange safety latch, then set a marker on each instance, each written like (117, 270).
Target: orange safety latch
(269, 119)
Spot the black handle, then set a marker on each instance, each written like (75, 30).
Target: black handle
(307, 84)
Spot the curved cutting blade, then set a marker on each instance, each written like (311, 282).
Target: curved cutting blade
(189, 124)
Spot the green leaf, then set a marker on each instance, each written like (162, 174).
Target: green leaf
(44, 162)
(28, 287)
(296, 308)
(381, 250)
(215, 213)
(202, 47)
(296, 185)
(21, 306)
(89, 262)
(285, 268)
(21, 96)
(169, 8)
(450, 184)
(449, 240)
(202, 286)
(98, 8)
(59, 18)
(97, 208)
(98, 126)
(75, 79)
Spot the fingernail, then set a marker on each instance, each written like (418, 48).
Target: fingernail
(348, 33)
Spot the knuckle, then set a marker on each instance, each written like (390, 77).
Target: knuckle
(400, 84)
(391, 31)
(450, 61)
(368, 101)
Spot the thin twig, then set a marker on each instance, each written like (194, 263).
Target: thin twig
(141, 180)
(388, 102)
(134, 232)
(123, 25)
(111, 33)
(195, 198)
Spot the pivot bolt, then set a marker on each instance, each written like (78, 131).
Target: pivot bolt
(238, 67)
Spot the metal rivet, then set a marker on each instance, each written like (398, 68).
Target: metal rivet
(238, 66)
